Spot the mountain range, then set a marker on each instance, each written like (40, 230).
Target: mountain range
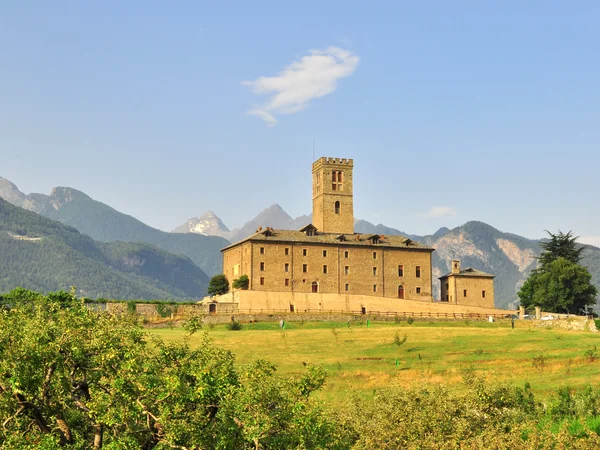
(105, 224)
(45, 255)
(510, 257)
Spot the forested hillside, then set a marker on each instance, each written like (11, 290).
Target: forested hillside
(44, 255)
(103, 223)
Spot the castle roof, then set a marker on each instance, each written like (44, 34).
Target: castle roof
(310, 235)
(469, 272)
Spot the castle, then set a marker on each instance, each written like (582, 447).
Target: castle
(328, 257)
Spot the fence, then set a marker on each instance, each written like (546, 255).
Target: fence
(406, 314)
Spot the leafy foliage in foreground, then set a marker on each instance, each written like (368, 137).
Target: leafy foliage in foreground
(75, 379)
(72, 378)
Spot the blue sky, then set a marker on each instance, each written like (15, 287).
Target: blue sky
(452, 111)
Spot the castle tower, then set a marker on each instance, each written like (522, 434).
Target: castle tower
(333, 210)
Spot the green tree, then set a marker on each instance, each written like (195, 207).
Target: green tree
(560, 284)
(241, 283)
(74, 378)
(560, 245)
(218, 285)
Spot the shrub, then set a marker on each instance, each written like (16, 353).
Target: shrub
(241, 283)
(410, 321)
(399, 340)
(218, 285)
(234, 325)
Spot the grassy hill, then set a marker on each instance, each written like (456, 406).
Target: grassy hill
(44, 255)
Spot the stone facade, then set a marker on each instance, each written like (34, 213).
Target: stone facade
(333, 206)
(467, 287)
(358, 268)
(328, 257)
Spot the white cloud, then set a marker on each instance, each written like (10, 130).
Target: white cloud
(591, 240)
(313, 76)
(441, 212)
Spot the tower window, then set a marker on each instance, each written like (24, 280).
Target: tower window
(374, 255)
(375, 271)
(400, 270)
(324, 253)
(418, 271)
(262, 250)
(347, 270)
(286, 251)
(347, 287)
(262, 281)
(374, 288)
(286, 267)
(324, 268)
(346, 254)
(482, 294)
(304, 252)
(286, 282)
(304, 268)
(262, 266)
(337, 207)
(465, 293)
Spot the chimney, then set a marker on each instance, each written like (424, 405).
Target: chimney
(455, 266)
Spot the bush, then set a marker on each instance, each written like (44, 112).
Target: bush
(218, 285)
(241, 283)
(234, 325)
(410, 321)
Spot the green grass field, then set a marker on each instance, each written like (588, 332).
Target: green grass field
(360, 359)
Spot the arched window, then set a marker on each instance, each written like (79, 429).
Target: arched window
(400, 291)
(315, 287)
(339, 177)
(337, 207)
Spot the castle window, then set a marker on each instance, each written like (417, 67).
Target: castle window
(337, 207)
(315, 287)
(286, 282)
(346, 254)
(339, 177)
(465, 293)
(262, 281)
(374, 288)
(374, 255)
(418, 290)
(375, 271)
(304, 268)
(262, 266)
(324, 268)
(482, 294)
(347, 287)
(333, 186)
(262, 250)
(400, 270)
(400, 291)
(347, 270)
(286, 267)
(304, 251)
(418, 271)
(286, 251)
(324, 253)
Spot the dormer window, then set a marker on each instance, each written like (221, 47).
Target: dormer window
(309, 230)
(375, 239)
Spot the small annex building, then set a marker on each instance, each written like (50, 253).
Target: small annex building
(467, 287)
